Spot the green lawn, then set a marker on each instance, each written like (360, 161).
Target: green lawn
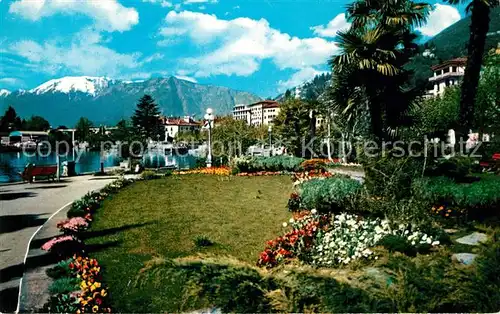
(158, 220)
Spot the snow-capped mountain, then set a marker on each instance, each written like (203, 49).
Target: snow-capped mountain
(84, 84)
(4, 92)
(103, 100)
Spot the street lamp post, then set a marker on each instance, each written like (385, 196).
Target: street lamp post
(270, 131)
(157, 151)
(209, 118)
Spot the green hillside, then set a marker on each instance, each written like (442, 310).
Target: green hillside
(450, 43)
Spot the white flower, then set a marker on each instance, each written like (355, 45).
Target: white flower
(292, 220)
(435, 243)
(412, 242)
(429, 240)
(285, 224)
(314, 211)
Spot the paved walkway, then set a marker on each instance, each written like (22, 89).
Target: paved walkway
(23, 209)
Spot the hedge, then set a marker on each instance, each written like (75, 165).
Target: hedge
(330, 195)
(276, 163)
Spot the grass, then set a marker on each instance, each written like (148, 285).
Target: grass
(158, 220)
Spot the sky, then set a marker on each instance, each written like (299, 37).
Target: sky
(260, 46)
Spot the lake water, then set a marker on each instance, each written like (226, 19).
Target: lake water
(13, 163)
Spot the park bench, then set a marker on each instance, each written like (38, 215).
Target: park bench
(30, 173)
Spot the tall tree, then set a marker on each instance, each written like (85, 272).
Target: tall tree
(82, 127)
(146, 118)
(10, 121)
(36, 123)
(371, 59)
(479, 27)
(231, 137)
(293, 125)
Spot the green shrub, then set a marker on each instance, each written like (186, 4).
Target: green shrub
(330, 195)
(61, 303)
(87, 204)
(391, 176)
(60, 270)
(202, 241)
(276, 163)
(479, 199)
(64, 285)
(457, 167)
(149, 175)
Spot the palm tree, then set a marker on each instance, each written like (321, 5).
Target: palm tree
(372, 55)
(479, 27)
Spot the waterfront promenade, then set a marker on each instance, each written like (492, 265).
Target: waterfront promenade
(24, 208)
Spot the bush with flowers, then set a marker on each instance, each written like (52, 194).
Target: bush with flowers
(89, 294)
(295, 243)
(73, 225)
(63, 246)
(301, 177)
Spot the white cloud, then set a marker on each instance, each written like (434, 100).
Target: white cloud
(298, 78)
(186, 78)
(440, 18)
(153, 57)
(202, 7)
(199, 1)
(108, 15)
(163, 3)
(11, 81)
(331, 29)
(79, 57)
(238, 46)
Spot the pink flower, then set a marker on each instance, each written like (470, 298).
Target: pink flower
(75, 224)
(54, 241)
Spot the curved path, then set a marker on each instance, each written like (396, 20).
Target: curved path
(24, 208)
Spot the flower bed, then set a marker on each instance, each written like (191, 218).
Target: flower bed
(330, 239)
(220, 171)
(262, 173)
(476, 200)
(89, 294)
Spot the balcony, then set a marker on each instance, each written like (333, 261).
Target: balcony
(445, 76)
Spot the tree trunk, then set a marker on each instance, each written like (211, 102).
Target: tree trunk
(478, 29)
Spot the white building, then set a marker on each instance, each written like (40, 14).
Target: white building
(176, 125)
(241, 112)
(260, 113)
(447, 74)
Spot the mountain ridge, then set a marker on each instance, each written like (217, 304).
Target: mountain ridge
(106, 100)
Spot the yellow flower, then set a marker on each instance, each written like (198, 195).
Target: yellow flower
(447, 215)
(104, 293)
(95, 308)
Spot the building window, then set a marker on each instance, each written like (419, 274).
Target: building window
(454, 69)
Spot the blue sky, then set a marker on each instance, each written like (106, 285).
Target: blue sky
(261, 46)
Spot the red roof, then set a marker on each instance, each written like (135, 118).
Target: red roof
(181, 122)
(457, 61)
